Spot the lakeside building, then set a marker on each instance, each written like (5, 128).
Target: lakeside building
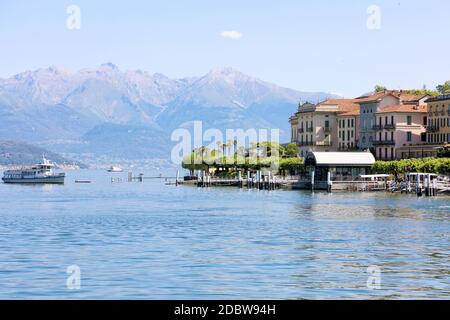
(335, 170)
(348, 130)
(400, 132)
(392, 124)
(438, 130)
(372, 104)
(315, 127)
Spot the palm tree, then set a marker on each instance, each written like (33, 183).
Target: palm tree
(229, 145)
(219, 145)
(224, 146)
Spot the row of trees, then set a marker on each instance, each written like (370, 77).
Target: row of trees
(431, 165)
(259, 155)
(440, 89)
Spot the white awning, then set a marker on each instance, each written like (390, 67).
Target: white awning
(341, 159)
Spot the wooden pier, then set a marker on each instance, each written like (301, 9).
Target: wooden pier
(256, 181)
(421, 184)
(141, 177)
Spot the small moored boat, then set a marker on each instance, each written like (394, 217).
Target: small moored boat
(115, 169)
(40, 173)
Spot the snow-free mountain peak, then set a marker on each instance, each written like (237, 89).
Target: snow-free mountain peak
(83, 111)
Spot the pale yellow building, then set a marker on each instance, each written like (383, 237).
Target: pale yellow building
(315, 127)
(348, 130)
(438, 130)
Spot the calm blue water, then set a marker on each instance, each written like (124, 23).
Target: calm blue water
(154, 241)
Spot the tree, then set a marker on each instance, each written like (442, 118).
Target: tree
(379, 88)
(443, 88)
(291, 150)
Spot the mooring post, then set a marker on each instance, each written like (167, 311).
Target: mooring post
(435, 187)
(419, 186)
(130, 176)
(258, 177)
(177, 177)
(312, 179)
(329, 181)
(240, 178)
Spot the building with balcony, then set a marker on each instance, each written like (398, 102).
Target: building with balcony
(438, 129)
(348, 130)
(371, 105)
(399, 129)
(315, 127)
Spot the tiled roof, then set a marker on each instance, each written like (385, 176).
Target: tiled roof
(404, 96)
(442, 97)
(404, 108)
(355, 112)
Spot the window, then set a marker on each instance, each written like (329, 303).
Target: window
(409, 136)
(408, 120)
(423, 137)
(327, 123)
(425, 121)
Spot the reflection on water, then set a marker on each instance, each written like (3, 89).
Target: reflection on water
(150, 240)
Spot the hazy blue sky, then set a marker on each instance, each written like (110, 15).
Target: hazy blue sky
(305, 45)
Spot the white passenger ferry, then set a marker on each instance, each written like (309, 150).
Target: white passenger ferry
(40, 173)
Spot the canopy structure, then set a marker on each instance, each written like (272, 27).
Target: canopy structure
(340, 159)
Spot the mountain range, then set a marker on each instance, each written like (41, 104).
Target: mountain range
(130, 114)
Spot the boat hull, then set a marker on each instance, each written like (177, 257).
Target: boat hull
(44, 180)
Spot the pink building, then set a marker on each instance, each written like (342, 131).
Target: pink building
(398, 130)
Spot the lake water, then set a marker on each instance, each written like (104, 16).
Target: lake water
(155, 241)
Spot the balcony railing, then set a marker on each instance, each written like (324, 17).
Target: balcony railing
(305, 143)
(432, 129)
(309, 129)
(377, 127)
(384, 143)
(327, 129)
(301, 130)
(389, 126)
(324, 143)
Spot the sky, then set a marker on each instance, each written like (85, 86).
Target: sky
(344, 47)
